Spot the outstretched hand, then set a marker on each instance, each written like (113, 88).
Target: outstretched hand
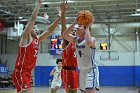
(64, 5)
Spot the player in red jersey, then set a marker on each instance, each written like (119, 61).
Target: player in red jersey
(28, 50)
(69, 72)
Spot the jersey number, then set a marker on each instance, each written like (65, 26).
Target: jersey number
(75, 54)
(58, 75)
(80, 53)
(36, 52)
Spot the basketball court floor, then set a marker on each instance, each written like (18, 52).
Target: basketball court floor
(102, 90)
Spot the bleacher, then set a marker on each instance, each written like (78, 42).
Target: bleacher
(5, 77)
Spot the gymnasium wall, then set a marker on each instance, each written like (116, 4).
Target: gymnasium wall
(124, 72)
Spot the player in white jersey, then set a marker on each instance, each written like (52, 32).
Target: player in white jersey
(85, 50)
(56, 72)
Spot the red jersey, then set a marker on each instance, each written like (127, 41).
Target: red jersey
(27, 55)
(68, 56)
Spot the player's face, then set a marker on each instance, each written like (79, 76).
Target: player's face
(80, 30)
(34, 33)
(60, 64)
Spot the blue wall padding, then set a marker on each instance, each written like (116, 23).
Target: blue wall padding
(109, 75)
(137, 75)
(117, 75)
(42, 75)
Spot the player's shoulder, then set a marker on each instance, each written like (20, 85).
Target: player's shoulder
(54, 68)
(38, 36)
(93, 38)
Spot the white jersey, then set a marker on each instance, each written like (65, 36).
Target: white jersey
(85, 55)
(56, 78)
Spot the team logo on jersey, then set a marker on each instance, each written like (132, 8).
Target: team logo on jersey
(80, 46)
(35, 53)
(36, 41)
(74, 54)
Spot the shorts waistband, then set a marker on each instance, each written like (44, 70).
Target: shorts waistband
(69, 68)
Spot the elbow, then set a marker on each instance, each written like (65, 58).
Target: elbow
(89, 43)
(64, 35)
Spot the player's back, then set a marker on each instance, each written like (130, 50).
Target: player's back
(27, 55)
(68, 56)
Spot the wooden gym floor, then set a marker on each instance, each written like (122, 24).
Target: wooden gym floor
(102, 90)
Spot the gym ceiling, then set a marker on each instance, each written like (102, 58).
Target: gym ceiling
(103, 10)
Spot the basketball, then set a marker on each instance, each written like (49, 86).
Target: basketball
(84, 17)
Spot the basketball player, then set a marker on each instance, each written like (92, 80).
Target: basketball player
(28, 50)
(85, 51)
(69, 72)
(56, 82)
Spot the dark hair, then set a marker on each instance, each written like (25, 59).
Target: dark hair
(58, 60)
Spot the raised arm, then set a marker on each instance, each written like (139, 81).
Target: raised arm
(51, 28)
(64, 7)
(53, 72)
(30, 25)
(90, 41)
(66, 33)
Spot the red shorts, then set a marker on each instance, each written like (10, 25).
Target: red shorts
(21, 80)
(70, 78)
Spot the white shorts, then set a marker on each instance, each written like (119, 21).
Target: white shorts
(56, 83)
(89, 78)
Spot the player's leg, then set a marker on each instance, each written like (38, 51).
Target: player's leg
(71, 91)
(58, 85)
(26, 79)
(91, 81)
(26, 91)
(82, 80)
(53, 90)
(16, 79)
(97, 78)
(90, 91)
(73, 79)
(55, 86)
(64, 76)
(82, 91)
